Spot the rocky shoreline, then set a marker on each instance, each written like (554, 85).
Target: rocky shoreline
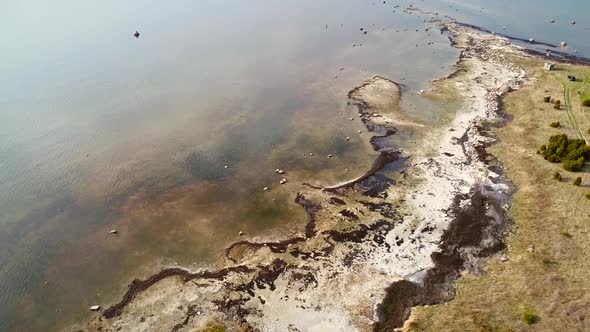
(445, 215)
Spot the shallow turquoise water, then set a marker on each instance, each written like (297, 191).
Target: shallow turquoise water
(99, 130)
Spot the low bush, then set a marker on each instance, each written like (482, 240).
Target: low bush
(555, 124)
(566, 234)
(557, 176)
(586, 102)
(574, 165)
(529, 318)
(578, 181)
(574, 152)
(587, 195)
(547, 99)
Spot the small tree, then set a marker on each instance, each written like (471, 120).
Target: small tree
(547, 99)
(586, 102)
(557, 104)
(578, 181)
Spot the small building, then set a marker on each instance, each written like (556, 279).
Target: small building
(549, 66)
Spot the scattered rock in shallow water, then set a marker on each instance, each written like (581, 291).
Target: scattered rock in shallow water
(531, 40)
(347, 138)
(226, 167)
(283, 181)
(311, 154)
(360, 131)
(277, 171)
(265, 189)
(551, 21)
(573, 22)
(136, 34)
(113, 232)
(330, 156)
(240, 233)
(563, 44)
(95, 308)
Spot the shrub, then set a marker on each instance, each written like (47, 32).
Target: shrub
(586, 102)
(578, 181)
(543, 147)
(561, 148)
(529, 317)
(555, 124)
(557, 104)
(566, 234)
(547, 99)
(557, 176)
(587, 195)
(574, 165)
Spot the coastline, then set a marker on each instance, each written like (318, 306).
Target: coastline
(276, 281)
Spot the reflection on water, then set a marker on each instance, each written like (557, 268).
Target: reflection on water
(101, 131)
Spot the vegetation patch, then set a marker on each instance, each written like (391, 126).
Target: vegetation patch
(555, 124)
(573, 152)
(566, 234)
(578, 181)
(529, 317)
(586, 102)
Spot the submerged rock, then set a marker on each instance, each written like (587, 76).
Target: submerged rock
(95, 308)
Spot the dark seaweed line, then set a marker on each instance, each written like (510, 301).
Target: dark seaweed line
(278, 247)
(383, 159)
(478, 28)
(137, 286)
